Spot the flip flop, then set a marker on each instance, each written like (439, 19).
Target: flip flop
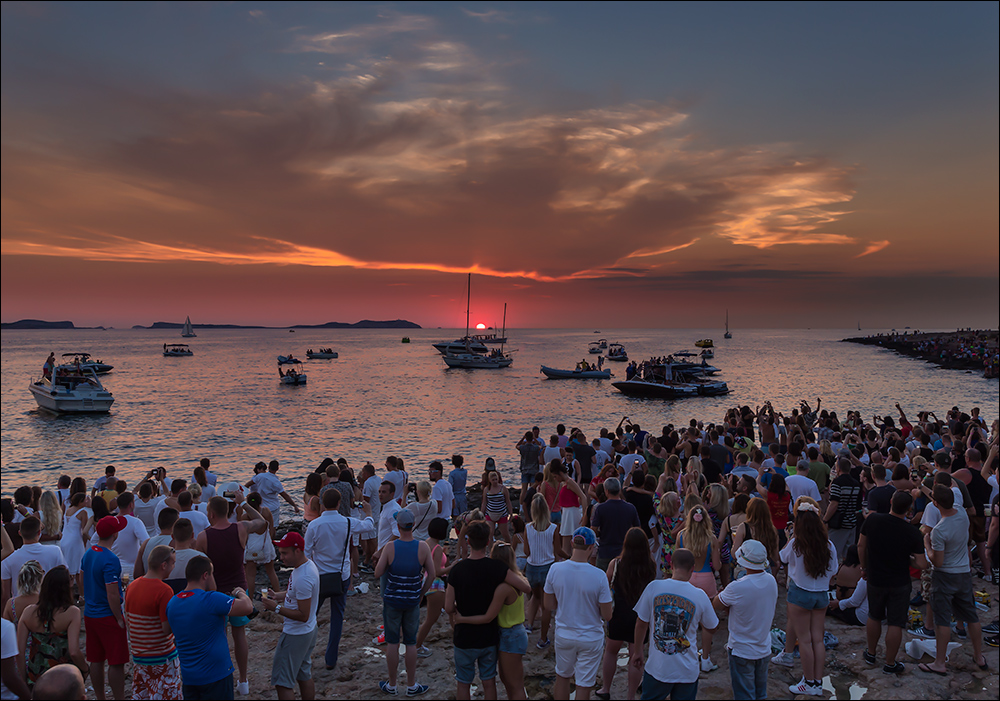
(984, 666)
(923, 667)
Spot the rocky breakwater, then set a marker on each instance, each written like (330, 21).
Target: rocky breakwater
(969, 350)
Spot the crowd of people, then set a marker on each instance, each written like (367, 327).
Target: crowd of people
(635, 539)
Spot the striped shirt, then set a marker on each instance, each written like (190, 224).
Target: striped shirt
(405, 576)
(145, 612)
(541, 545)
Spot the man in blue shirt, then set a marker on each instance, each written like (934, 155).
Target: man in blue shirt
(104, 620)
(198, 617)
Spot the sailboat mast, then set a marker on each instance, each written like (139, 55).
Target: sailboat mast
(468, 301)
(503, 333)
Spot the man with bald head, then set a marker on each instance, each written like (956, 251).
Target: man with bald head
(64, 682)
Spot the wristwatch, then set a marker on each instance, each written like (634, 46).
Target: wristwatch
(277, 609)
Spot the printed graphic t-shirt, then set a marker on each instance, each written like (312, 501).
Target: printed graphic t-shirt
(674, 610)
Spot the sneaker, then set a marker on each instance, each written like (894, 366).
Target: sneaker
(922, 632)
(805, 688)
(379, 639)
(365, 567)
(894, 668)
(785, 659)
(417, 690)
(960, 634)
(386, 689)
(352, 592)
(870, 658)
(424, 651)
(542, 644)
(992, 629)
(243, 688)
(707, 665)
(918, 600)
(992, 640)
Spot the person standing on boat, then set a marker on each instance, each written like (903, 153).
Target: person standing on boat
(49, 364)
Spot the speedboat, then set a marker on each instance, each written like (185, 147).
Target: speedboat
(294, 376)
(616, 351)
(603, 343)
(655, 390)
(188, 330)
(707, 353)
(461, 345)
(82, 361)
(704, 343)
(478, 361)
(288, 359)
(595, 348)
(72, 390)
(708, 387)
(591, 374)
(321, 354)
(176, 350)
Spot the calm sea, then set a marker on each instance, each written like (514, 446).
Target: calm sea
(384, 397)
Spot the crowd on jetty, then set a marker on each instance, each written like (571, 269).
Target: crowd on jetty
(628, 538)
(962, 349)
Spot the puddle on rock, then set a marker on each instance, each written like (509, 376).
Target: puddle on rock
(843, 688)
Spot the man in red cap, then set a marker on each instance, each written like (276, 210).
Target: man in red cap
(104, 620)
(297, 606)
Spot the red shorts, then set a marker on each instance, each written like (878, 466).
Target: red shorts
(106, 640)
(496, 518)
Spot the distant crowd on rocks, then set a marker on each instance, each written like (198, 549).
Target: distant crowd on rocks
(628, 538)
(963, 349)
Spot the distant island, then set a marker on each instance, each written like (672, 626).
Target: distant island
(363, 324)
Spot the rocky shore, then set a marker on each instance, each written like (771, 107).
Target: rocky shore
(969, 350)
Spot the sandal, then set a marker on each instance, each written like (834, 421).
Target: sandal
(924, 667)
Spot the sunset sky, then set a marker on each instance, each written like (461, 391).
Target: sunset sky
(596, 165)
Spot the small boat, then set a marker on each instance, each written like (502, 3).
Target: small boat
(595, 348)
(188, 330)
(321, 354)
(603, 343)
(72, 390)
(83, 361)
(707, 387)
(176, 350)
(461, 345)
(707, 353)
(406, 339)
(727, 334)
(655, 390)
(288, 359)
(294, 376)
(592, 374)
(468, 357)
(616, 351)
(704, 343)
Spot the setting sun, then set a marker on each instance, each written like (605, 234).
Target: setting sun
(480, 327)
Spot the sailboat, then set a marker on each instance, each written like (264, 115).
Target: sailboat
(727, 334)
(188, 331)
(467, 357)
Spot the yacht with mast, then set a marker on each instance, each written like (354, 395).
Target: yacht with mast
(727, 334)
(469, 358)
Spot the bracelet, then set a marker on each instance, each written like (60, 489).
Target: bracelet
(277, 609)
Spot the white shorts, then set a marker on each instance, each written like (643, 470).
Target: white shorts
(571, 517)
(578, 658)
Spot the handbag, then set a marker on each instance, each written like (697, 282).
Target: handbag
(332, 583)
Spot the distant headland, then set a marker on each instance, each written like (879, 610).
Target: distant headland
(363, 324)
(966, 349)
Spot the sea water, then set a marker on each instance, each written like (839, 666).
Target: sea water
(383, 397)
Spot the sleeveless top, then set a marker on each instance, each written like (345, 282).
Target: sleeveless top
(496, 503)
(46, 650)
(151, 544)
(541, 545)
(550, 492)
(404, 578)
(512, 614)
(308, 512)
(226, 554)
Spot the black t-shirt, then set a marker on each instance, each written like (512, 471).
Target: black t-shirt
(979, 492)
(669, 442)
(711, 470)
(880, 499)
(643, 504)
(475, 582)
(529, 458)
(891, 541)
(719, 454)
(584, 455)
(613, 518)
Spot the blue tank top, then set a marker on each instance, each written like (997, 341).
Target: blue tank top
(405, 576)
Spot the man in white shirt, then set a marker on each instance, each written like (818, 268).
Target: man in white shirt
(270, 489)
(799, 484)
(582, 599)
(675, 608)
(131, 538)
(297, 605)
(370, 484)
(198, 519)
(48, 556)
(387, 529)
(397, 477)
(632, 460)
(750, 601)
(442, 493)
(325, 541)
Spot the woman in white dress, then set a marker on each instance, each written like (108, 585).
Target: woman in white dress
(76, 531)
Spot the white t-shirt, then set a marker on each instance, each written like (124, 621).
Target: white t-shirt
(398, 478)
(443, 493)
(631, 461)
(387, 527)
(799, 486)
(674, 610)
(992, 481)
(751, 600)
(199, 521)
(370, 490)
(579, 588)
(269, 487)
(797, 568)
(48, 556)
(601, 458)
(128, 543)
(303, 583)
(932, 515)
(551, 453)
(148, 512)
(8, 650)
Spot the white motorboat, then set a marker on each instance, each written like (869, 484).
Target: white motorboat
(655, 390)
(595, 348)
(188, 330)
(288, 359)
(294, 375)
(467, 357)
(580, 374)
(321, 354)
(176, 350)
(72, 390)
(602, 342)
(707, 353)
(616, 351)
(461, 345)
(83, 361)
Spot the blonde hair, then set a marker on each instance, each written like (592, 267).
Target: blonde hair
(693, 464)
(691, 501)
(825, 448)
(670, 504)
(804, 500)
(424, 489)
(698, 534)
(50, 514)
(29, 579)
(195, 490)
(502, 552)
(718, 500)
(541, 517)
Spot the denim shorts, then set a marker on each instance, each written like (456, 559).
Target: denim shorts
(467, 659)
(514, 640)
(407, 620)
(809, 600)
(522, 563)
(536, 574)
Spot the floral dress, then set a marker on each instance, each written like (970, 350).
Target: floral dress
(668, 541)
(46, 650)
(724, 556)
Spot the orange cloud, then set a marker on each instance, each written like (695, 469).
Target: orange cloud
(873, 247)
